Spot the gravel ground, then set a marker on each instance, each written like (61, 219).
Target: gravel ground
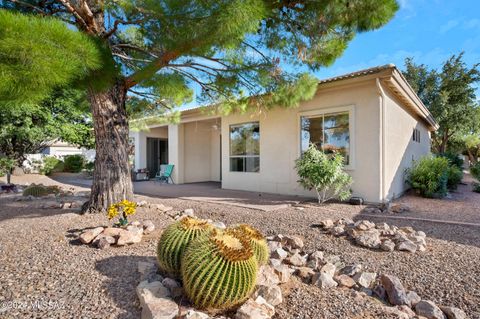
(41, 261)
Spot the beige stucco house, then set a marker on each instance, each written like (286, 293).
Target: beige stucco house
(371, 116)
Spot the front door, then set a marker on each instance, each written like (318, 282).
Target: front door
(157, 154)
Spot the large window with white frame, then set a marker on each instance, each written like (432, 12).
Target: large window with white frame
(245, 147)
(329, 132)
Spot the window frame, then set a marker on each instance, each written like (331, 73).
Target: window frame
(230, 156)
(350, 109)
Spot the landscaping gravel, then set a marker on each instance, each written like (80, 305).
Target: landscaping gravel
(45, 272)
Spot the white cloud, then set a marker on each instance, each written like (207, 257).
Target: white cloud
(449, 26)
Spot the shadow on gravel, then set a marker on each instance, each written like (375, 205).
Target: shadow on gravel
(14, 210)
(122, 281)
(461, 234)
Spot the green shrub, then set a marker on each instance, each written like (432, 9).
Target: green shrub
(219, 271)
(324, 174)
(51, 164)
(73, 163)
(455, 176)
(475, 171)
(429, 176)
(453, 159)
(476, 187)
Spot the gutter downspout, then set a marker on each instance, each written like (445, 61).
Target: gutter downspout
(382, 139)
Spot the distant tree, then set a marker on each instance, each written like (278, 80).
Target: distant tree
(227, 50)
(29, 128)
(449, 94)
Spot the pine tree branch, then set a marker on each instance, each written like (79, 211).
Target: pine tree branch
(71, 9)
(117, 23)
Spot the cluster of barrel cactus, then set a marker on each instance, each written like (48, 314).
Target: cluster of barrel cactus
(218, 267)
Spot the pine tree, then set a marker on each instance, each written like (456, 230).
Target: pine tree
(228, 50)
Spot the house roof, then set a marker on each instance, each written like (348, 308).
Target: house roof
(388, 74)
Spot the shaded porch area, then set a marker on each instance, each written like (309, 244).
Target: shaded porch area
(213, 193)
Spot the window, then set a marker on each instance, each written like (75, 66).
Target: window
(416, 135)
(329, 132)
(245, 147)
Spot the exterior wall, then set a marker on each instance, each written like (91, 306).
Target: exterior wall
(62, 150)
(141, 143)
(400, 148)
(198, 136)
(280, 143)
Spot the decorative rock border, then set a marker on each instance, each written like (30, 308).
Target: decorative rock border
(163, 297)
(377, 236)
(104, 237)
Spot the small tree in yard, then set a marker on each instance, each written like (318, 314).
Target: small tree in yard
(6, 167)
(323, 173)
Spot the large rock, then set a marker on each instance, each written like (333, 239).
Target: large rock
(279, 253)
(296, 260)
(132, 236)
(387, 245)
(274, 245)
(345, 281)
(428, 309)
(365, 279)
(255, 309)
(146, 268)
(155, 301)
(364, 225)
(329, 269)
(88, 236)
(326, 224)
(283, 272)
(453, 313)
(295, 242)
(396, 293)
(148, 226)
(324, 281)
(112, 231)
(271, 294)
(407, 245)
(337, 231)
(413, 298)
(351, 270)
(368, 238)
(267, 276)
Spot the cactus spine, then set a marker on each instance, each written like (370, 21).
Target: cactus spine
(257, 241)
(35, 191)
(219, 271)
(175, 239)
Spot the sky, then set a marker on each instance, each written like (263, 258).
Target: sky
(430, 31)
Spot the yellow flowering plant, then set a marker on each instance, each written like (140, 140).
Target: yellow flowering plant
(124, 208)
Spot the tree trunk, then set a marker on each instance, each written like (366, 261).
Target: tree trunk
(111, 177)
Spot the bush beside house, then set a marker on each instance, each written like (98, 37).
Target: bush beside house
(324, 174)
(434, 176)
(475, 171)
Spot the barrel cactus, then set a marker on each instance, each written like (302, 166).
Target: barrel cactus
(175, 239)
(219, 271)
(36, 191)
(257, 241)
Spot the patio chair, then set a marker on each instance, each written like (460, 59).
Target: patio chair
(165, 173)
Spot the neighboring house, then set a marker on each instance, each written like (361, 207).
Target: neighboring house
(371, 116)
(60, 149)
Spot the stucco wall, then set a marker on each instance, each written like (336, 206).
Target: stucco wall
(400, 148)
(280, 143)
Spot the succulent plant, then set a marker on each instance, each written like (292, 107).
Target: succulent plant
(175, 239)
(257, 241)
(219, 271)
(35, 191)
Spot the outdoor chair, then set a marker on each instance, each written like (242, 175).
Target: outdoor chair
(165, 174)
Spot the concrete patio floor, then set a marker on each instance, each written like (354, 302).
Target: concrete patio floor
(210, 192)
(213, 193)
